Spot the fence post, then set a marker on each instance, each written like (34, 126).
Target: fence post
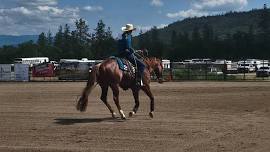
(224, 71)
(171, 71)
(245, 69)
(263, 69)
(188, 72)
(206, 76)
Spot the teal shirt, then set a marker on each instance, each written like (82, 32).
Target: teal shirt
(126, 43)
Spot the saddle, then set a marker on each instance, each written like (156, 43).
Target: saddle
(125, 65)
(129, 72)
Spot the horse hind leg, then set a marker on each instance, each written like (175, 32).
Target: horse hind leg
(115, 90)
(137, 103)
(103, 97)
(148, 92)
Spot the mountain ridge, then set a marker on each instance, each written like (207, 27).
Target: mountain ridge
(222, 25)
(15, 40)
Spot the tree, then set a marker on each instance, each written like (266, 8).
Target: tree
(208, 33)
(49, 38)
(42, 40)
(173, 45)
(140, 40)
(81, 31)
(28, 49)
(264, 23)
(58, 40)
(103, 44)
(196, 44)
(265, 28)
(42, 43)
(156, 45)
(207, 38)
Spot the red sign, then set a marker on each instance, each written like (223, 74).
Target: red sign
(43, 70)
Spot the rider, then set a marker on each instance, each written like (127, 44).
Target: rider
(126, 50)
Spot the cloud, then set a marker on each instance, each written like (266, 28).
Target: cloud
(36, 2)
(187, 13)
(157, 3)
(219, 5)
(162, 26)
(93, 8)
(143, 28)
(35, 16)
(149, 27)
(207, 7)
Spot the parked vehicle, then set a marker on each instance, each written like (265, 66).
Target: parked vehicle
(245, 67)
(32, 61)
(263, 71)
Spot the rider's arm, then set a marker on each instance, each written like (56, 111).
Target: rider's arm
(129, 44)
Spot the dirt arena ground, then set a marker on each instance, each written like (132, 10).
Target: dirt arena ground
(189, 116)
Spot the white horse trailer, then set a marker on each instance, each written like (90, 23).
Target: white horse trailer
(31, 61)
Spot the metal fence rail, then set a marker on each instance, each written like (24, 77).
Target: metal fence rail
(211, 71)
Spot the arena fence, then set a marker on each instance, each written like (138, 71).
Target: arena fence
(175, 71)
(216, 71)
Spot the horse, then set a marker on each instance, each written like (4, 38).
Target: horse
(108, 74)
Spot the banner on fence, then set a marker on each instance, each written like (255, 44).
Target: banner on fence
(43, 70)
(5, 72)
(21, 72)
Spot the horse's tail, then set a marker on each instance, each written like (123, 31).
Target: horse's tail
(83, 101)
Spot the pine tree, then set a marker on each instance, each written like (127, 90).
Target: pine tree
(265, 20)
(58, 40)
(42, 40)
(140, 40)
(156, 45)
(103, 44)
(49, 38)
(81, 31)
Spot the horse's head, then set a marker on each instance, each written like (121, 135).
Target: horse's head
(156, 66)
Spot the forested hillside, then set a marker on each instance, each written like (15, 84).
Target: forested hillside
(234, 35)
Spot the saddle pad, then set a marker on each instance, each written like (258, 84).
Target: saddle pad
(121, 63)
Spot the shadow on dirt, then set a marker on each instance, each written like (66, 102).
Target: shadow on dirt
(71, 121)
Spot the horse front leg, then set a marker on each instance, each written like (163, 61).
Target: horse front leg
(135, 92)
(148, 92)
(115, 90)
(104, 93)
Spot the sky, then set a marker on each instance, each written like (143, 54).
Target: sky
(31, 17)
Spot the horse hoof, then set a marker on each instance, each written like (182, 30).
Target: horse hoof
(131, 113)
(151, 114)
(123, 118)
(114, 115)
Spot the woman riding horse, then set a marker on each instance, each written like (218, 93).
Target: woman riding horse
(108, 74)
(126, 51)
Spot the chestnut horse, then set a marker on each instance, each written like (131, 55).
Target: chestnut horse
(108, 74)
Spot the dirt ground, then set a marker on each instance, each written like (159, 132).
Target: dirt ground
(189, 116)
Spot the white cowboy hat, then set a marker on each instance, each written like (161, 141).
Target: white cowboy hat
(128, 27)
